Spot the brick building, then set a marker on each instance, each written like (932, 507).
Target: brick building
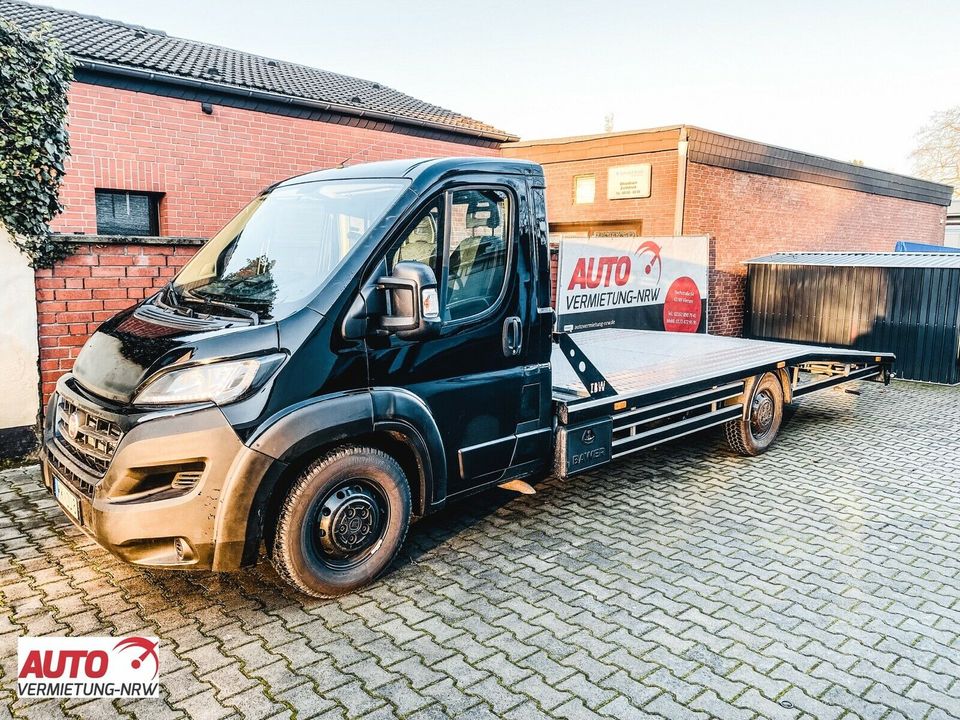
(751, 199)
(171, 137)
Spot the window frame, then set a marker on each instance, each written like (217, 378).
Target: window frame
(582, 176)
(509, 225)
(408, 227)
(153, 211)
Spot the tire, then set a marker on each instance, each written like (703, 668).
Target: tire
(755, 434)
(342, 522)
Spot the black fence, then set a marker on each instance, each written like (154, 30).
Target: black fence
(904, 303)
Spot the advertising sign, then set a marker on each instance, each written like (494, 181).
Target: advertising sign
(643, 283)
(628, 181)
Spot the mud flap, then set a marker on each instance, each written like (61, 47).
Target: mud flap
(583, 447)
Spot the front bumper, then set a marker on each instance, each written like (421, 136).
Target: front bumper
(204, 527)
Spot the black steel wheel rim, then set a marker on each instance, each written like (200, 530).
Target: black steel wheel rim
(762, 411)
(348, 524)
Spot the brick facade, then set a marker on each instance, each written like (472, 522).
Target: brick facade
(90, 286)
(752, 215)
(563, 161)
(746, 214)
(206, 166)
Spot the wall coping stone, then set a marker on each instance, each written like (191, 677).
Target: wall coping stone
(128, 239)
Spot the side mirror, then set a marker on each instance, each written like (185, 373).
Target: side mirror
(412, 302)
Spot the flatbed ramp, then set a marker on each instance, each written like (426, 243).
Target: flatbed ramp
(633, 389)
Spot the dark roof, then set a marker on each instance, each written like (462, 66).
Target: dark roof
(418, 168)
(105, 45)
(707, 147)
(861, 259)
(712, 148)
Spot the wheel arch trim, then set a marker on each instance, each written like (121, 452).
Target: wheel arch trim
(338, 418)
(399, 410)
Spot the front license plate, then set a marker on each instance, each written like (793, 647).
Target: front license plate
(68, 501)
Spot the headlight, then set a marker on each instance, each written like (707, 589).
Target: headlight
(220, 382)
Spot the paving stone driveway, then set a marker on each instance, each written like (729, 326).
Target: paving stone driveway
(820, 580)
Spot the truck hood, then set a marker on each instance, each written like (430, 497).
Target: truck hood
(131, 346)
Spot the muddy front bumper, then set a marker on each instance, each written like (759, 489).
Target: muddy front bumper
(166, 489)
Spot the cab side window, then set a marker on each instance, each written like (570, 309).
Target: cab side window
(422, 243)
(479, 251)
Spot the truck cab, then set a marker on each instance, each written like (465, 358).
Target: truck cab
(355, 349)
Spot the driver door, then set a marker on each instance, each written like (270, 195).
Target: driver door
(468, 377)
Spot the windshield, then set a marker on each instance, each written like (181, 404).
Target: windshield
(279, 250)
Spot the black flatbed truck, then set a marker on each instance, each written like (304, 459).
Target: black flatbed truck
(361, 347)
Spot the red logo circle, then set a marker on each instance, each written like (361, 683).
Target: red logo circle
(682, 307)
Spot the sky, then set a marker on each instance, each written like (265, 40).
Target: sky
(846, 79)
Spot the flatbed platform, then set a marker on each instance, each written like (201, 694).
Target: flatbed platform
(632, 389)
(639, 362)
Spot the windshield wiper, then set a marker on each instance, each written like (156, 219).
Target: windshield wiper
(170, 293)
(203, 299)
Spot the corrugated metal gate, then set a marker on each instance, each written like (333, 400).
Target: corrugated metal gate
(904, 303)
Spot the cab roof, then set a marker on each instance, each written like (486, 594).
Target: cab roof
(425, 169)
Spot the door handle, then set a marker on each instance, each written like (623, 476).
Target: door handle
(512, 337)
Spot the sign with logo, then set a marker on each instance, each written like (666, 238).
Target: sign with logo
(645, 283)
(88, 667)
(628, 181)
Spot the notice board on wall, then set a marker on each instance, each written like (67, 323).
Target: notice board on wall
(643, 283)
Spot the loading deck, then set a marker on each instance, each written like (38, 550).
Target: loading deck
(644, 362)
(650, 387)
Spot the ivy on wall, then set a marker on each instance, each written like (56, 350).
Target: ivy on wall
(34, 76)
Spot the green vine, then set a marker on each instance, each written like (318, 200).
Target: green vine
(35, 74)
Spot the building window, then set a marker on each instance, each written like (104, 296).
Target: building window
(120, 212)
(584, 189)
(952, 234)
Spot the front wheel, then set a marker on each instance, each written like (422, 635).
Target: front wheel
(342, 522)
(756, 432)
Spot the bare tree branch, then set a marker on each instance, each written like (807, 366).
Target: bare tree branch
(937, 154)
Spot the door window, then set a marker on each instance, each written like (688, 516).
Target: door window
(478, 252)
(421, 243)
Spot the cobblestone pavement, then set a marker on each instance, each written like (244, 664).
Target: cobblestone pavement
(820, 580)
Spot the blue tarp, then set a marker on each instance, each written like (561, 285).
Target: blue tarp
(905, 246)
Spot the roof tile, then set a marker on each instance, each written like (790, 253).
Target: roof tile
(87, 37)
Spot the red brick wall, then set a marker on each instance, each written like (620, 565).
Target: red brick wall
(655, 213)
(562, 161)
(88, 287)
(208, 166)
(753, 215)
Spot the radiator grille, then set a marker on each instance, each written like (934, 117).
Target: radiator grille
(88, 438)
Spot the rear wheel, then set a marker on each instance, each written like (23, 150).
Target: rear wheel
(342, 522)
(755, 433)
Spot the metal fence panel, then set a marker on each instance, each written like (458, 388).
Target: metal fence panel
(913, 311)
